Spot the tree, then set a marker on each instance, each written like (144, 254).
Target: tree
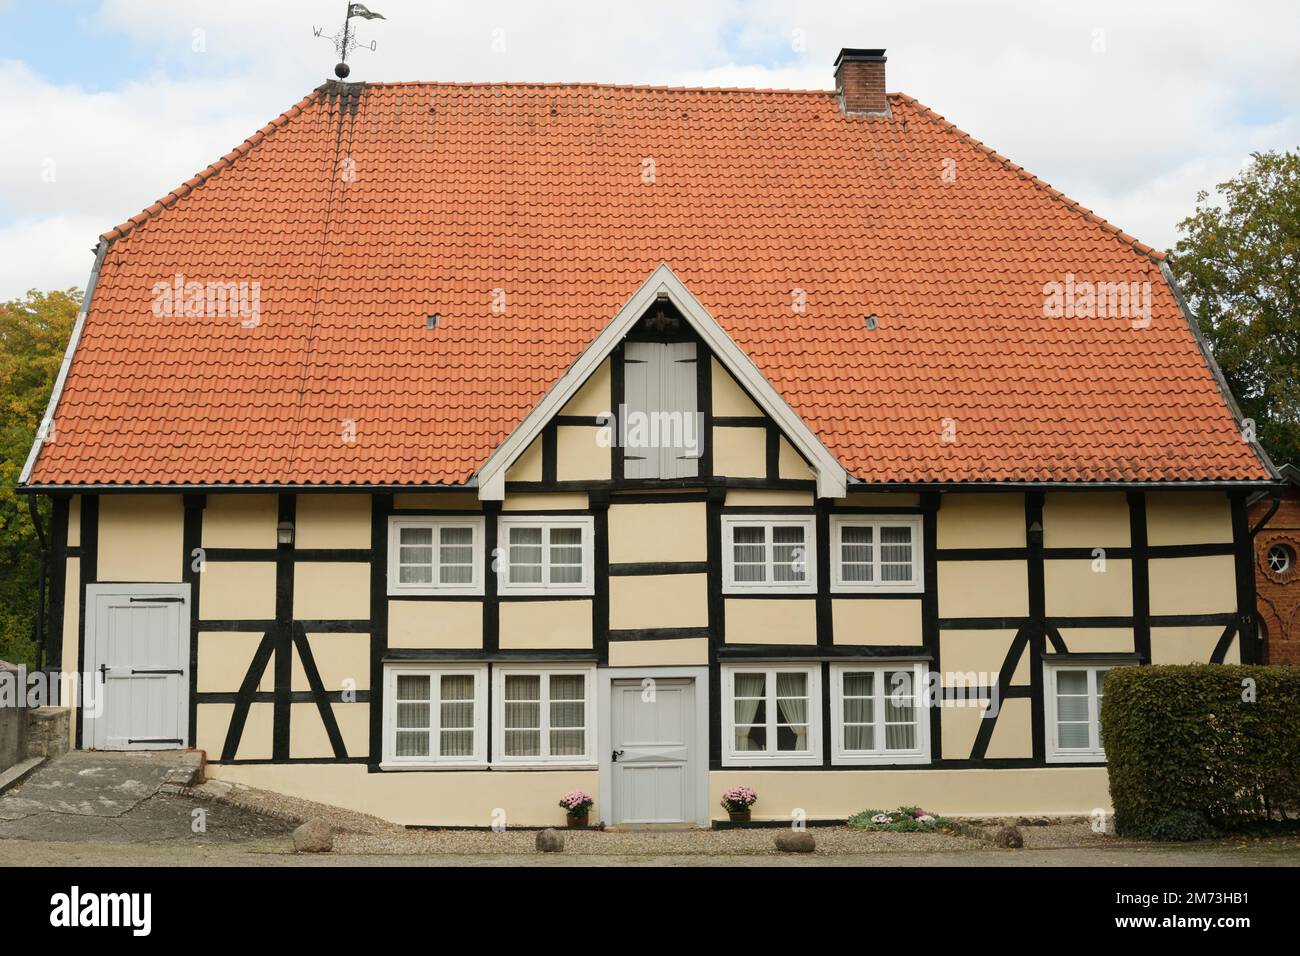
(1238, 262)
(33, 334)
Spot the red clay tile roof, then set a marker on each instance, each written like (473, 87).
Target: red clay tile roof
(365, 208)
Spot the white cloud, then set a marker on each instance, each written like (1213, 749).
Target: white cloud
(1173, 102)
(55, 252)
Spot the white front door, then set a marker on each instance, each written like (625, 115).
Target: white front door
(138, 654)
(653, 730)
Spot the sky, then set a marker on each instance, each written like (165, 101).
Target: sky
(1130, 109)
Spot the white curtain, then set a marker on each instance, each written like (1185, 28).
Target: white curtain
(752, 687)
(523, 715)
(792, 709)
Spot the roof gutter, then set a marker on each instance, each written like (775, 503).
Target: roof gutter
(854, 486)
(47, 422)
(1217, 372)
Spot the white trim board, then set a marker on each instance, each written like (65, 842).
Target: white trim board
(47, 420)
(831, 477)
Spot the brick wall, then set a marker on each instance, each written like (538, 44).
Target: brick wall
(1279, 594)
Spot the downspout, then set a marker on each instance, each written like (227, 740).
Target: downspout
(38, 624)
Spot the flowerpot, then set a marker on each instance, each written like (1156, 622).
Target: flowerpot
(738, 816)
(577, 819)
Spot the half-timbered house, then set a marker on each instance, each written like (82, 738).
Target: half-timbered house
(447, 447)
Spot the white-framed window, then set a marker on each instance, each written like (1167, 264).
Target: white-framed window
(879, 713)
(1074, 695)
(876, 553)
(541, 555)
(435, 555)
(435, 715)
(771, 714)
(543, 715)
(769, 553)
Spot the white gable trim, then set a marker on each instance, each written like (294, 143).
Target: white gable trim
(831, 477)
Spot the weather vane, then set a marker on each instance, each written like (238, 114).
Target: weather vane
(345, 41)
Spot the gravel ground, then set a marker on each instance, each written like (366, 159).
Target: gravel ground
(832, 841)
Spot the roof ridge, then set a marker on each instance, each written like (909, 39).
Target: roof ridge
(203, 175)
(1137, 245)
(567, 84)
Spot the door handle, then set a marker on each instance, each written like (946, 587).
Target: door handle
(615, 755)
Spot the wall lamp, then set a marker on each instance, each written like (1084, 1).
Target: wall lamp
(284, 534)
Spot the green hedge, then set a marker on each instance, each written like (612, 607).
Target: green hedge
(1182, 743)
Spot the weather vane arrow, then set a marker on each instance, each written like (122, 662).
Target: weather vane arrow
(345, 42)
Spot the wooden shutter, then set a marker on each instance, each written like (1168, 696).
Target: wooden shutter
(661, 378)
(641, 384)
(680, 393)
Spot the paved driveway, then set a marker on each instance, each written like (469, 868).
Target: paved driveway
(117, 798)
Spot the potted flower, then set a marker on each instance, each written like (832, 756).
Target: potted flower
(737, 801)
(577, 804)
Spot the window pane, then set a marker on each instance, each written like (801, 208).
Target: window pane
(412, 716)
(523, 709)
(749, 554)
(568, 743)
(457, 743)
(859, 737)
(523, 743)
(792, 711)
(896, 553)
(899, 712)
(792, 737)
(568, 687)
(412, 687)
(859, 684)
(1072, 708)
(568, 713)
(749, 739)
(750, 712)
(456, 713)
(750, 685)
(523, 701)
(856, 554)
(566, 555)
(1072, 735)
(900, 736)
(413, 574)
(789, 558)
(456, 556)
(526, 555)
(412, 743)
(1072, 682)
(415, 536)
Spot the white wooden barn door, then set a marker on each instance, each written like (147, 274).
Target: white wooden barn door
(137, 651)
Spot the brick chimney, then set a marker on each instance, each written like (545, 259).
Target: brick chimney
(860, 81)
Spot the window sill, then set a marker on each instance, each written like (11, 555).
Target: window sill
(776, 760)
(1082, 757)
(436, 592)
(498, 765)
(879, 760)
(587, 591)
(882, 589)
(732, 590)
(422, 767)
